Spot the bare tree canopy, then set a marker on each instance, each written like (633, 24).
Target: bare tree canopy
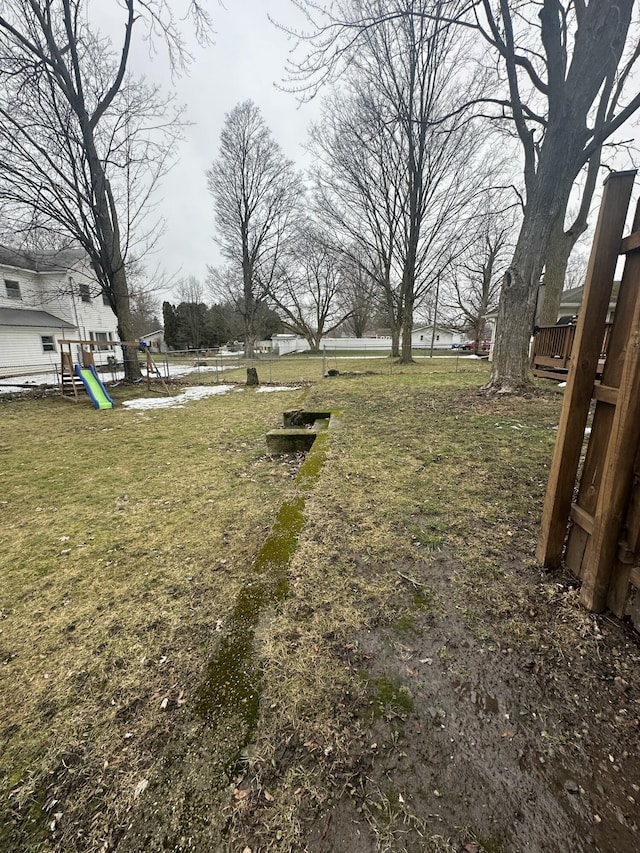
(409, 158)
(256, 194)
(81, 143)
(310, 292)
(472, 287)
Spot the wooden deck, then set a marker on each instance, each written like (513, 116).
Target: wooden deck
(551, 351)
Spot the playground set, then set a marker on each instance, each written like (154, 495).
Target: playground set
(78, 379)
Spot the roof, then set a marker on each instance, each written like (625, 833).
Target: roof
(43, 261)
(439, 328)
(33, 319)
(573, 296)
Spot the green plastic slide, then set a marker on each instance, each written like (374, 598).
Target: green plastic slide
(94, 387)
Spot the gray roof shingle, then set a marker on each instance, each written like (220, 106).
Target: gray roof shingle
(43, 261)
(33, 319)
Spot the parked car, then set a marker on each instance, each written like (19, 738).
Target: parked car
(470, 346)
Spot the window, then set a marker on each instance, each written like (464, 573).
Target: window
(13, 289)
(85, 293)
(48, 343)
(100, 336)
(105, 299)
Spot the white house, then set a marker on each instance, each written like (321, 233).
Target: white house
(442, 338)
(46, 297)
(155, 340)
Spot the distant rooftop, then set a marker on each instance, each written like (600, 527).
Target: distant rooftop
(574, 295)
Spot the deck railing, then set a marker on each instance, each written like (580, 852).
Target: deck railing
(551, 350)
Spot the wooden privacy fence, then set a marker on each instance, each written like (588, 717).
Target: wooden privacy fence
(600, 531)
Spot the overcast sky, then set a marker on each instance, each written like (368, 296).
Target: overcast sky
(245, 61)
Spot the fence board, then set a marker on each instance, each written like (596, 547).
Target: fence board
(582, 373)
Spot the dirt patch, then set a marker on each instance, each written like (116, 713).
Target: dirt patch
(497, 746)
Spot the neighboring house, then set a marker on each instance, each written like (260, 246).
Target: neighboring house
(46, 297)
(442, 338)
(571, 300)
(156, 341)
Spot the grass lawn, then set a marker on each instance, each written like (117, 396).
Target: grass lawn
(169, 683)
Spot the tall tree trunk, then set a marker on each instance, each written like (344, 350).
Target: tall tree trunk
(122, 311)
(555, 269)
(249, 308)
(546, 204)
(395, 340)
(406, 356)
(111, 260)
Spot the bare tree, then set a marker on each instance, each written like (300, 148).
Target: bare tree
(145, 312)
(309, 295)
(473, 288)
(191, 308)
(256, 193)
(357, 194)
(358, 295)
(73, 123)
(413, 61)
(406, 77)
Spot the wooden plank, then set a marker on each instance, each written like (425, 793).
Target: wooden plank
(557, 375)
(576, 547)
(634, 577)
(605, 393)
(630, 243)
(627, 550)
(582, 518)
(618, 467)
(551, 361)
(583, 366)
(619, 590)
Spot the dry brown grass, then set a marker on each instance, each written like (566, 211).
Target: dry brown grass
(129, 536)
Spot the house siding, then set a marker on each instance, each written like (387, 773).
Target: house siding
(58, 293)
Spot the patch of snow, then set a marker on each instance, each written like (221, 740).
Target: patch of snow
(198, 392)
(264, 389)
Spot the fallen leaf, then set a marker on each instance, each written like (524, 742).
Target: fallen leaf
(268, 797)
(241, 794)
